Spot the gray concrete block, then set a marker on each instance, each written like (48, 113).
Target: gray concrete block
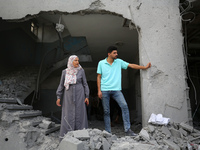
(183, 132)
(165, 130)
(91, 144)
(30, 114)
(143, 133)
(81, 134)
(186, 127)
(96, 138)
(106, 145)
(175, 133)
(8, 100)
(55, 128)
(114, 137)
(98, 146)
(71, 143)
(18, 107)
(151, 128)
(106, 134)
(171, 144)
(45, 124)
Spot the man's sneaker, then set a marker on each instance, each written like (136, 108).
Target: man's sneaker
(130, 133)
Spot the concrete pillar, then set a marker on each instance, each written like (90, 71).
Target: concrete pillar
(163, 86)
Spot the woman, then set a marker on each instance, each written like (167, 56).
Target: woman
(73, 88)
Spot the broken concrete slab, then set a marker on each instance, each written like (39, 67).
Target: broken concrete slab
(171, 144)
(45, 124)
(106, 144)
(144, 134)
(19, 107)
(175, 133)
(186, 127)
(165, 130)
(55, 128)
(81, 134)
(8, 100)
(71, 143)
(30, 114)
(183, 132)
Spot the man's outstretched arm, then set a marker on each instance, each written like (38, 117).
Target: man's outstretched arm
(99, 85)
(134, 66)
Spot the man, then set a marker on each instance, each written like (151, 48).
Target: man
(109, 85)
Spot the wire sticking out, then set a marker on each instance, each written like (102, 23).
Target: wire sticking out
(185, 48)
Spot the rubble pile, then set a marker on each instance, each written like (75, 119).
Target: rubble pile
(26, 129)
(21, 127)
(18, 83)
(152, 137)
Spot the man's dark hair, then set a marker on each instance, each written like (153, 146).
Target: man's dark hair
(111, 48)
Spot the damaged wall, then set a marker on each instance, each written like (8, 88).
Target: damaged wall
(163, 86)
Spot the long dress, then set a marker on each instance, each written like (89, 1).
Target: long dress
(74, 115)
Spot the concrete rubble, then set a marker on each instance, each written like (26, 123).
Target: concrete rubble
(21, 127)
(18, 84)
(173, 136)
(26, 129)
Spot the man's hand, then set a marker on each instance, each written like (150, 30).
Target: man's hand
(58, 102)
(99, 85)
(87, 101)
(100, 94)
(148, 65)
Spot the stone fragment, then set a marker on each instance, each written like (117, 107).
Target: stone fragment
(91, 144)
(151, 128)
(175, 133)
(98, 146)
(165, 130)
(183, 132)
(113, 137)
(171, 144)
(52, 129)
(45, 124)
(105, 144)
(71, 143)
(81, 134)
(121, 146)
(186, 127)
(153, 142)
(96, 131)
(106, 134)
(144, 134)
(96, 138)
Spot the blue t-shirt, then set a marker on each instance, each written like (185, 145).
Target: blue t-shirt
(111, 74)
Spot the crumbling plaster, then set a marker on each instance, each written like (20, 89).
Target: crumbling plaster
(158, 23)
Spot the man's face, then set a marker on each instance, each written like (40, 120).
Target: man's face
(113, 54)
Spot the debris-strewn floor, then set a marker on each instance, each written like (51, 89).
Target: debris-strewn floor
(117, 128)
(173, 136)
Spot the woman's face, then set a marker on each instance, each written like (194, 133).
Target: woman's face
(76, 62)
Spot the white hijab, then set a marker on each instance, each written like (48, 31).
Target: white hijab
(71, 71)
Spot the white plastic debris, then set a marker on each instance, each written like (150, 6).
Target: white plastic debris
(158, 119)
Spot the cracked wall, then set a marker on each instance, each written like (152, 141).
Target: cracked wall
(163, 87)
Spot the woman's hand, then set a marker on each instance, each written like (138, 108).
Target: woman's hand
(87, 101)
(58, 102)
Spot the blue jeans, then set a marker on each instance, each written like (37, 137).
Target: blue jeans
(119, 98)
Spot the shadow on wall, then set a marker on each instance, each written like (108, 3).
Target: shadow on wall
(17, 48)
